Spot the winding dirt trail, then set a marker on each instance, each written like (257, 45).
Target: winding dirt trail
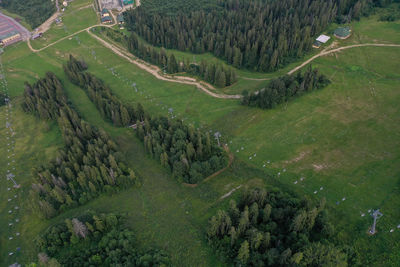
(205, 87)
(327, 52)
(46, 25)
(156, 71)
(152, 69)
(254, 79)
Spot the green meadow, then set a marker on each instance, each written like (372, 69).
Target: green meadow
(78, 15)
(343, 139)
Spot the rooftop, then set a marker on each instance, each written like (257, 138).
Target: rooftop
(317, 44)
(342, 32)
(104, 19)
(323, 38)
(8, 34)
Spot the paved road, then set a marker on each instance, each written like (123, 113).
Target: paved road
(23, 31)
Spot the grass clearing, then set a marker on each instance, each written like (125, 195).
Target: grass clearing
(77, 16)
(35, 142)
(343, 138)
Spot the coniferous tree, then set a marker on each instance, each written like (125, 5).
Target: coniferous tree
(190, 155)
(284, 88)
(258, 35)
(243, 238)
(65, 181)
(209, 72)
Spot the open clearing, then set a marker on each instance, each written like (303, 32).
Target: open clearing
(349, 130)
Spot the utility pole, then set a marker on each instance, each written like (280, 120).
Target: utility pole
(376, 214)
(217, 136)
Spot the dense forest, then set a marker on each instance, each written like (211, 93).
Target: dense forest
(190, 154)
(392, 13)
(35, 12)
(88, 164)
(252, 34)
(94, 240)
(2, 99)
(275, 229)
(284, 88)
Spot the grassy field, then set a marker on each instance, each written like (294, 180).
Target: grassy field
(343, 138)
(246, 79)
(78, 15)
(367, 30)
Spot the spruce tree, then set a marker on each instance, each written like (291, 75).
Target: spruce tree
(221, 80)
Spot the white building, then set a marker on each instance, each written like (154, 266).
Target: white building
(323, 38)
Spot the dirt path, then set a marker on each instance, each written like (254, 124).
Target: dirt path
(156, 71)
(83, 7)
(59, 40)
(69, 36)
(254, 79)
(327, 52)
(46, 25)
(230, 192)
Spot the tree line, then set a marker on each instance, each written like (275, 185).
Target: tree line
(35, 12)
(89, 163)
(284, 88)
(257, 35)
(2, 99)
(110, 107)
(189, 153)
(392, 13)
(93, 239)
(275, 229)
(213, 73)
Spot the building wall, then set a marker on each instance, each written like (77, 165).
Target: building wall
(11, 39)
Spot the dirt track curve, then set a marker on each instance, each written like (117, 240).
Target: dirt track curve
(156, 71)
(324, 53)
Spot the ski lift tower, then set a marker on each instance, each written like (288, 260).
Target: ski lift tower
(376, 214)
(217, 136)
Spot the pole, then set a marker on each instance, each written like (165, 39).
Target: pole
(11, 176)
(376, 214)
(217, 136)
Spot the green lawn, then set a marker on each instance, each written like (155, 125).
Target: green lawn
(76, 17)
(35, 142)
(344, 138)
(367, 30)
